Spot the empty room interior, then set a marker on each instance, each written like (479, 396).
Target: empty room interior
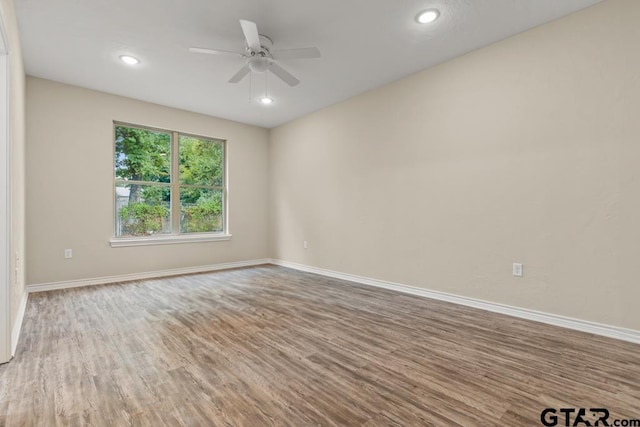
(337, 213)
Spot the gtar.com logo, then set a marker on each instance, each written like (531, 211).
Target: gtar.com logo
(569, 417)
(573, 417)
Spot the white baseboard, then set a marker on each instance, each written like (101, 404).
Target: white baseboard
(538, 316)
(523, 313)
(17, 326)
(41, 287)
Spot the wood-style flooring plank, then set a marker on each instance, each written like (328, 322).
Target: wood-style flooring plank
(269, 346)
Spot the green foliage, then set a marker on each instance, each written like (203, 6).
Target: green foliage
(201, 162)
(142, 155)
(156, 195)
(203, 216)
(141, 219)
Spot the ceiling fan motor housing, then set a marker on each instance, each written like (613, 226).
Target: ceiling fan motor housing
(265, 47)
(260, 61)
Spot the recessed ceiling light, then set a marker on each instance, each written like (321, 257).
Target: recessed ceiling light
(266, 100)
(427, 16)
(129, 60)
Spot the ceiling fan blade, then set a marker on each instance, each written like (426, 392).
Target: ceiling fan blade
(213, 51)
(250, 30)
(302, 53)
(240, 74)
(283, 74)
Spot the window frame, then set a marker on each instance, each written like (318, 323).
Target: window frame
(176, 236)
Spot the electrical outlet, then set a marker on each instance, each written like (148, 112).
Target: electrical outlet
(517, 269)
(68, 253)
(305, 245)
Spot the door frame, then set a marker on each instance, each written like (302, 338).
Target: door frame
(5, 200)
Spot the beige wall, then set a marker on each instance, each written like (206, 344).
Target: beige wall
(525, 151)
(17, 155)
(70, 185)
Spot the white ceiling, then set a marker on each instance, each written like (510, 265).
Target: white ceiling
(364, 44)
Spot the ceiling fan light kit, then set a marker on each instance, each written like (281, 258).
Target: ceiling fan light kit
(260, 58)
(259, 64)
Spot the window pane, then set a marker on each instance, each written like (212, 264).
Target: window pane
(142, 155)
(200, 210)
(201, 161)
(142, 210)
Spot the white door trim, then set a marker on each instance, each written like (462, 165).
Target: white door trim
(5, 206)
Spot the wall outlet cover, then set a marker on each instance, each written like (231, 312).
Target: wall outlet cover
(517, 269)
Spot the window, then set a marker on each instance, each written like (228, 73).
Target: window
(168, 184)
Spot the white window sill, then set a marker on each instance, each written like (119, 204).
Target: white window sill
(167, 240)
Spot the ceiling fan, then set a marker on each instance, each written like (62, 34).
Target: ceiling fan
(259, 56)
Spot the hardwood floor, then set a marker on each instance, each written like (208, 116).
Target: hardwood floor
(273, 346)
